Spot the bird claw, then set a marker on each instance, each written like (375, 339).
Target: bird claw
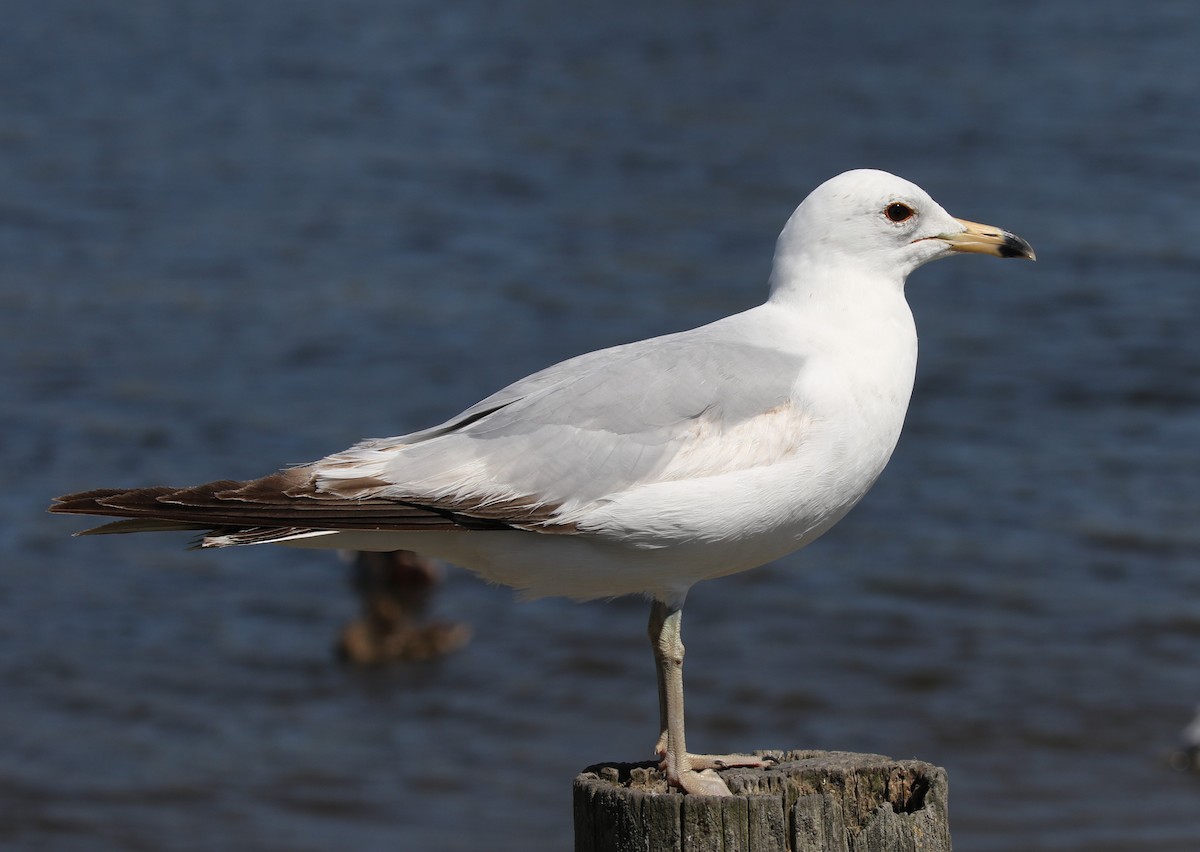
(700, 778)
(706, 783)
(725, 761)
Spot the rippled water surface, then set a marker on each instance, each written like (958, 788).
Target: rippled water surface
(236, 236)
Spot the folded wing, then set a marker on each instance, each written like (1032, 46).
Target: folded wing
(532, 456)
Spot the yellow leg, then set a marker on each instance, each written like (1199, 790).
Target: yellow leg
(672, 748)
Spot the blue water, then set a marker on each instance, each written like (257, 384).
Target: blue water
(235, 236)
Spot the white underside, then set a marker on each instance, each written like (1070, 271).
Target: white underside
(577, 567)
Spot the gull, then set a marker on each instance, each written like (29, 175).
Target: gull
(646, 467)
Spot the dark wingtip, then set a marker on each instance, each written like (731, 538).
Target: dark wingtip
(80, 501)
(99, 501)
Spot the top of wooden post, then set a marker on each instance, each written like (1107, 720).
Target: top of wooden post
(809, 801)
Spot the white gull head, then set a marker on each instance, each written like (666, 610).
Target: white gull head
(878, 225)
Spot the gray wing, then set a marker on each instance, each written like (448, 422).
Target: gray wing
(575, 432)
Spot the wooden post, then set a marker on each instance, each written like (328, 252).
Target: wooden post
(810, 801)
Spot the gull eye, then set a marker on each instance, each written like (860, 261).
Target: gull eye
(899, 212)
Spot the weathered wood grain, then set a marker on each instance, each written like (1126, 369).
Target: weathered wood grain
(808, 801)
